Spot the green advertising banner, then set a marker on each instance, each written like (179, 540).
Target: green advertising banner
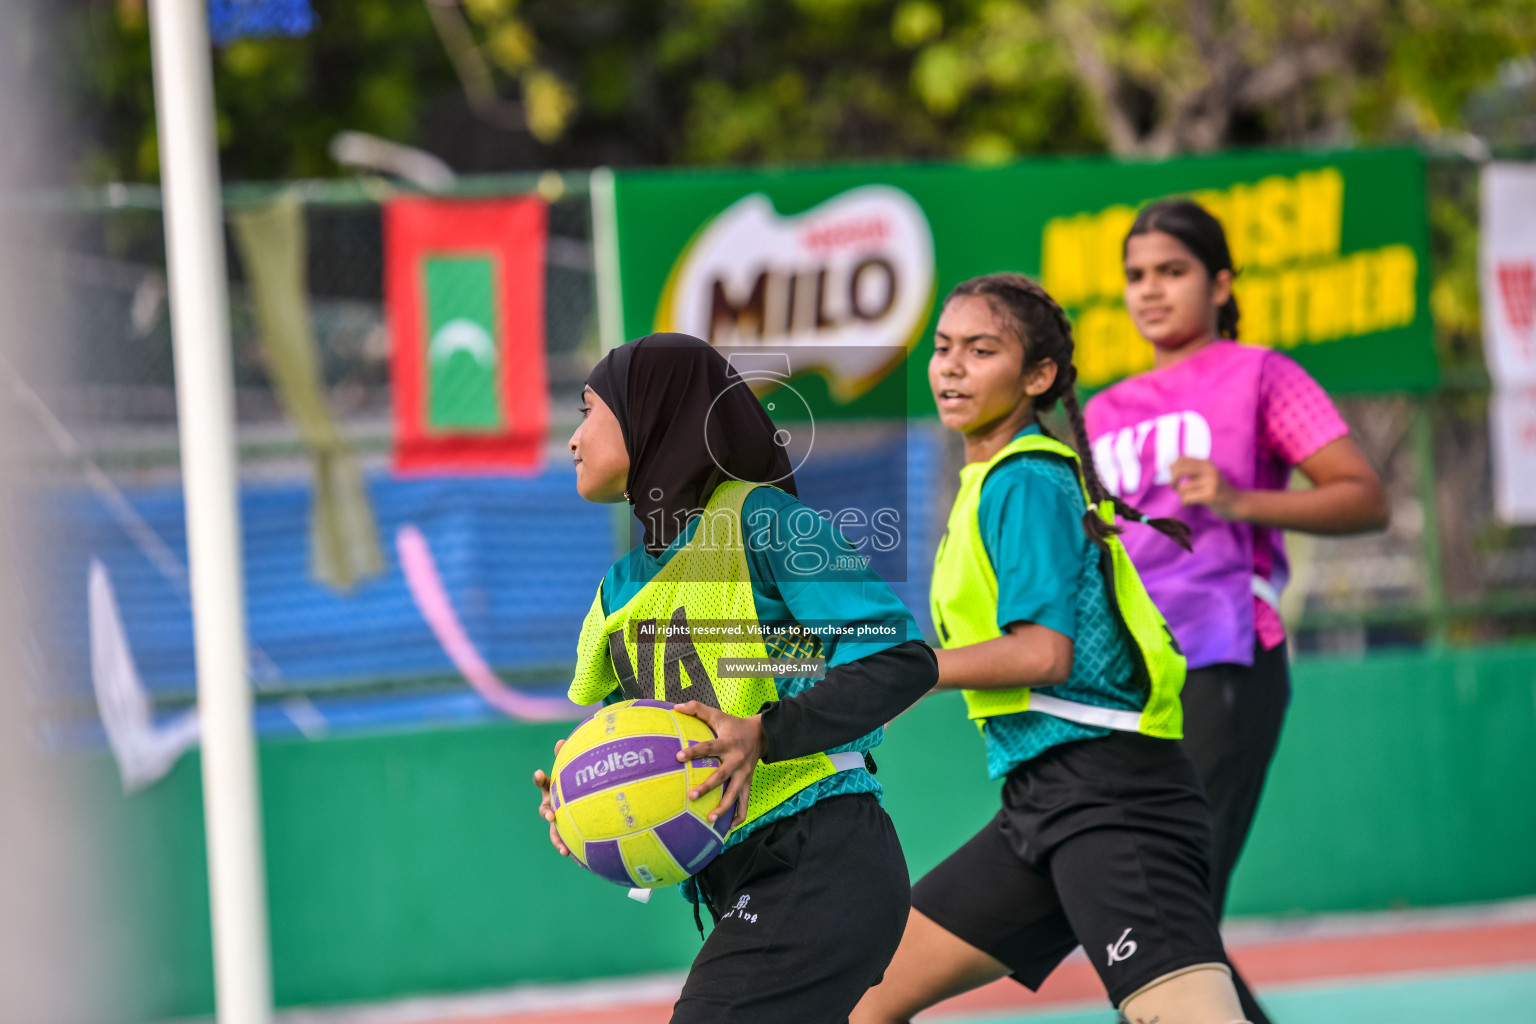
(847, 264)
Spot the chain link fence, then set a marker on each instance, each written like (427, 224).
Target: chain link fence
(1445, 570)
(112, 363)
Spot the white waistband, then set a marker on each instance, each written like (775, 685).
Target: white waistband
(847, 760)
(1086, 714)
(1265, 591)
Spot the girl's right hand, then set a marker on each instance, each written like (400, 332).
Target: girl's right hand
(546, 807)
(1199, 482)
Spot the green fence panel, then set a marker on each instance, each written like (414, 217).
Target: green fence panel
(1402, 780)
(413, 862)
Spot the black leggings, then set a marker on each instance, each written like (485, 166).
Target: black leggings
(1232, 720)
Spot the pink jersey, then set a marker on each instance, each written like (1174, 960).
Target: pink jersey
(1256, 414)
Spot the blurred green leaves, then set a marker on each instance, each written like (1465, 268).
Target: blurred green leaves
(916, 22)
(736, 81)
(279, 101)
(942, 78)
(547, 104)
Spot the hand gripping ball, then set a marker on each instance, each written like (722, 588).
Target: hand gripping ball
(620, 796)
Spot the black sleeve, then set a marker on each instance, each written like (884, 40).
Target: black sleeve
(852, 700)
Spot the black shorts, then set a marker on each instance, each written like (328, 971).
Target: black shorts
(808, 912)
(1103, 842)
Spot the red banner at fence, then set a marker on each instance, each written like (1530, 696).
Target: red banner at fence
(464, 293)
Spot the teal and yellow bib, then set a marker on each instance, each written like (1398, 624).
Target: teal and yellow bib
(706, 579)
(963, 599)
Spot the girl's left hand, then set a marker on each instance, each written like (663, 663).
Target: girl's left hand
(739, 745)
(546, 805)
(1199, 482)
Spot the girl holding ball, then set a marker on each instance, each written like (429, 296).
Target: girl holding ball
(810, 892)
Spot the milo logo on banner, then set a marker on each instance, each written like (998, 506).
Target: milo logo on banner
(849, 280)
(1294, 286)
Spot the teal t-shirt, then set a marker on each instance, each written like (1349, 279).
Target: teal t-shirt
(1031, 519)
(802, 570)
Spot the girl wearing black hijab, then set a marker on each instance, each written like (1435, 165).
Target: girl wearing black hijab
(810, 894)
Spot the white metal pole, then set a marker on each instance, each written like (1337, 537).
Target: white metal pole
(205, 403)
(605, 259)
(610, 308)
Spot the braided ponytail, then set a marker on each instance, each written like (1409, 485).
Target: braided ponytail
(1042, 325)
(1174, 529)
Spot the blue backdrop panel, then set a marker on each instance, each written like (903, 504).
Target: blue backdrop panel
(520, 558)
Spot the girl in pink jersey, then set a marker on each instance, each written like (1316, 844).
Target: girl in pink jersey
(1210, 435)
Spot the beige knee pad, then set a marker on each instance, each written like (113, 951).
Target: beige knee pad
(1202, 994)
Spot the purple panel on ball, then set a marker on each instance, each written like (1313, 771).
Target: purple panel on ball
(703, 762)
(692, 843)
(617, 762)
(605, 861)
(723, 823)
(665, 705)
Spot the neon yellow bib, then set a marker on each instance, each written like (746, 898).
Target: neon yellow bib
(706, 579)
(964, 604)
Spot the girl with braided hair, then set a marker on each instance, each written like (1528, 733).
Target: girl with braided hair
(1103, 839)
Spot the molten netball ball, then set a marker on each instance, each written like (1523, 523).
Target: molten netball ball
(620, 796)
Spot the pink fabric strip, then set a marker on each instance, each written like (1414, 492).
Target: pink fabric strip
(432, 600)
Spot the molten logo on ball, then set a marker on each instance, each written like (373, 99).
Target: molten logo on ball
(612, 763)
(620, 795)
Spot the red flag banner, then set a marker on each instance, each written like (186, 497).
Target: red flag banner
(464, 294)
(1517, 285)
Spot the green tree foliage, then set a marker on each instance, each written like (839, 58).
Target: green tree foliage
(573, 82)
(1165, 76)
(279, 101)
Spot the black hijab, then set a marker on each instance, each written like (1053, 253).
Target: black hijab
(690, 423)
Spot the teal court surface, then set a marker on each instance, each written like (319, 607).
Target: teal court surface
(1462, 997)
(1467, 965)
